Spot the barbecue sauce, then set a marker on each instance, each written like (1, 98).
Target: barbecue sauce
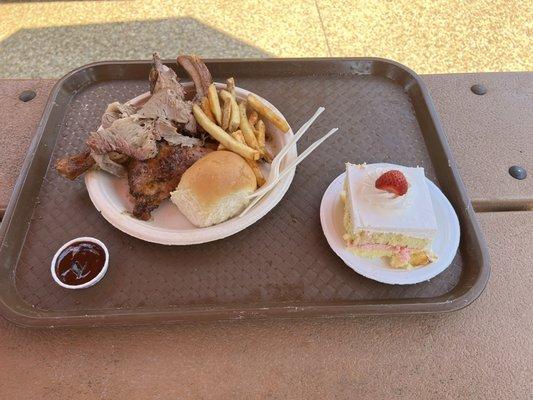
(79, 263)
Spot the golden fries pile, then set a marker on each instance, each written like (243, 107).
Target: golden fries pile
(236, 124)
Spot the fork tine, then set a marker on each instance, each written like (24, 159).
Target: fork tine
(299, 133)
(274, 166)
(267, 187)
(304, 155)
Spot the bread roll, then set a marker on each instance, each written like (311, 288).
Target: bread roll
(214, 188)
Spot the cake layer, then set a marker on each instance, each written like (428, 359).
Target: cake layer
(387, 238)
(399, 257)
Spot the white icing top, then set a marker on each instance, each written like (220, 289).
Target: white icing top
(376, 210)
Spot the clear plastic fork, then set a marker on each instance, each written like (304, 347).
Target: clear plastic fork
(276, 162)
(273, 182)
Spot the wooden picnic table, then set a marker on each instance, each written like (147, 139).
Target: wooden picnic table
(483, 351)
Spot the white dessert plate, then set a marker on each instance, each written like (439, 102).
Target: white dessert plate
(110, 196)
(444, 246)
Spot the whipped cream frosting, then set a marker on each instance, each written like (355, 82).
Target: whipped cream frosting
(381, 198)
(375, 210)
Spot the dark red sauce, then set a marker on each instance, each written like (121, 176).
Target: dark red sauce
(79, 263)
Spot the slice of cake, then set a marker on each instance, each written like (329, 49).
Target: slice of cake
(388, 213)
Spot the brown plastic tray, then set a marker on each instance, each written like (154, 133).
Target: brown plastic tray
(279, 267)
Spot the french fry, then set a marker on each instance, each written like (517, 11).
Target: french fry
(258, 106)
(230, 87)
(246, 128)
(226, 114)
(234, 119)
(267, 156)
(214, 103)
(257, 172)
(260, 135)
(238, 135)
(204, 103)
(253, 117)
(220, 147)
(260, 132)
(223, 138)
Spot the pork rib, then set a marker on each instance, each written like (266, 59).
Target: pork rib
(198, 72)
(116, 111)
(162, 77)
(129, 136)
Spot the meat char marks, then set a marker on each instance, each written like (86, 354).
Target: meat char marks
(134, 132)
(152, 180)
(152, 144)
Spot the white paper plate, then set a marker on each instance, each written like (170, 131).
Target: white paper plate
(445, 244)
(110, 196)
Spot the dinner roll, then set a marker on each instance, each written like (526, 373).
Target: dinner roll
(214, 188)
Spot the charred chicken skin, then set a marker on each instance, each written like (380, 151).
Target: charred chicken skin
(152, 180)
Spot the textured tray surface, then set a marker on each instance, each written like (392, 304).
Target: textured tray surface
(282, 259)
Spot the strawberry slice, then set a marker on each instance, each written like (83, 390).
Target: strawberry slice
(393, 181)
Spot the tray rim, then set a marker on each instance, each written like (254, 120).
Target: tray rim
(428, 305)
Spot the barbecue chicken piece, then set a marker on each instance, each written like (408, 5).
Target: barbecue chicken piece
(151, 181)
(72, 167)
